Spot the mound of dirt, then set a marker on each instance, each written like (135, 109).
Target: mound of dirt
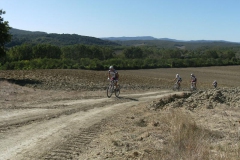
(208, 99)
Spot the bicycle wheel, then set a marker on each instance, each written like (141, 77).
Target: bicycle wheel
(117, 91)
(193, 88)
(175, 87)
(110, 90)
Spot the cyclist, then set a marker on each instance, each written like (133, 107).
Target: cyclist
(193, 80)
(113, 75)
(214, 84)
(179, 80)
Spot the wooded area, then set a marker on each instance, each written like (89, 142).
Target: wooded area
(79, 56)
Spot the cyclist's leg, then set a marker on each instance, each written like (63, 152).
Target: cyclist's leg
(179, 83)
(194, 84)
(116, 84)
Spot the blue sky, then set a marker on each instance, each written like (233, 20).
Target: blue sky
(176, 19)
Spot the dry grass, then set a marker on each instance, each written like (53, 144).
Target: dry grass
(186, 139)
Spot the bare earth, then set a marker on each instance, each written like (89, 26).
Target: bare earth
(65, 114)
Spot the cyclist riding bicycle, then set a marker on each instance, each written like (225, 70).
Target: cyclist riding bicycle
(113, 75)
(193, 80)
(214, 84)
(179, 80)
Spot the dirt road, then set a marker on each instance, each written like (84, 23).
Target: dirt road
(46, 126)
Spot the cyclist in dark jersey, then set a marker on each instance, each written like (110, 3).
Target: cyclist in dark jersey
(179, 80)
(214, 84)
(193, 80)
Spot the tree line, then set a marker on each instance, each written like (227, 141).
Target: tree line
(46, 56)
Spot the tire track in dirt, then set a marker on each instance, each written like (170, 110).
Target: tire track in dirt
(32, 116)
(21, 116)
(75, 145)
(66, 136)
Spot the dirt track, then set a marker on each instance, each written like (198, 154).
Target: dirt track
(64, 114)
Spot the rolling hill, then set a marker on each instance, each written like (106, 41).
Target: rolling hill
(170, 43)
(37, 37)
(22, 36)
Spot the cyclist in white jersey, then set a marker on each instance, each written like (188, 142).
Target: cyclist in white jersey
(113, 75)
(179, 80)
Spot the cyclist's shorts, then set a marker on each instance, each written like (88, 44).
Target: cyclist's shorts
(115, 79)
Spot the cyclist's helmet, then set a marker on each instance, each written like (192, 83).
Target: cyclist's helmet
(111, 67)
(192, 74)
(177, 75)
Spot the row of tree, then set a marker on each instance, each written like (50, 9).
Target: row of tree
(29, 56)
(75, 52)
(96, 64)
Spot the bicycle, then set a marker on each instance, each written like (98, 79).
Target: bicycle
(193, 87)
(215, 86)
(112, 89)
(176, 87)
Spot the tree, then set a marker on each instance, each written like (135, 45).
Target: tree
(4, 33)
(46, 51)
(133, 52)
(22, 52)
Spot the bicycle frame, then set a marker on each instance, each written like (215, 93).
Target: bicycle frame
(112, 89)
(193, 86)
(176, 86)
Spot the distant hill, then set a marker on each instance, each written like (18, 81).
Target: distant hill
(141, 38)
(22, 36)
(129, 38)
(163, 39)
(14, 31)
(37, 37)
(170, 43)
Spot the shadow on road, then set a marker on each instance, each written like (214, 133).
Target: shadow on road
(21, 82)
(128, 98)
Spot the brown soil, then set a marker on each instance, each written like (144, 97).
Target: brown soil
(65, 114)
